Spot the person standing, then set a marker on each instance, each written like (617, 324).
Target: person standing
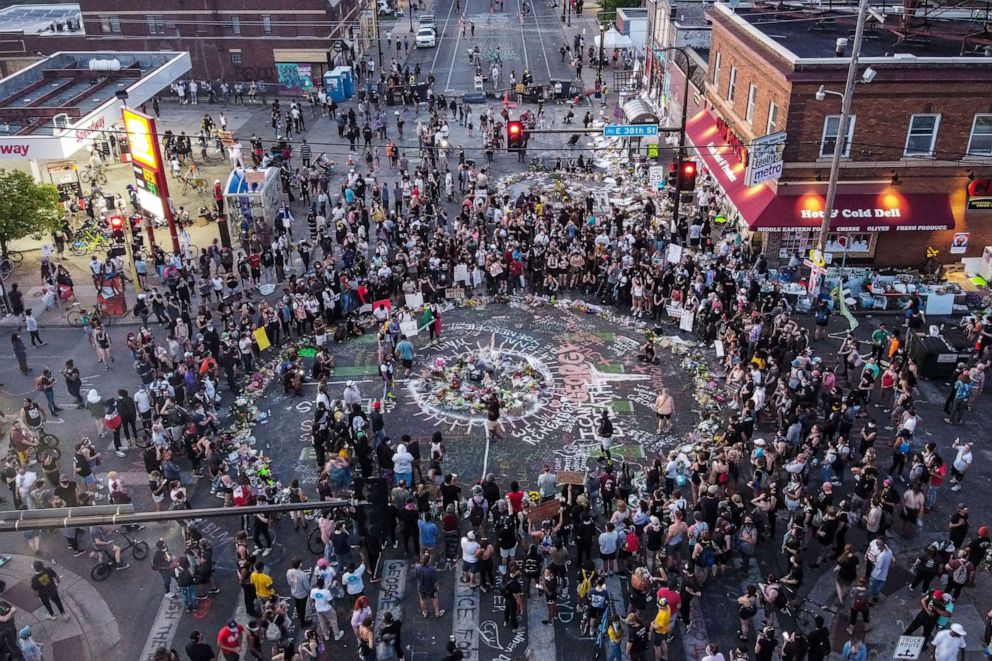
(20, 352)
(45, 583)
(46, 384)
(492, 417)
(230, 639)
(962, 462)
(962, 395)
(404, 349)
(880, 571)
(73, 383)
(949, 644)
(512, 598)
(664, 409)
(31, 324)
(426, 577)
(299, 589)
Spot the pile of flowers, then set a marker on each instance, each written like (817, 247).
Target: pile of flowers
(466, 383)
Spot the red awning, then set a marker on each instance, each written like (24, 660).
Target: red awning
(883, 211)
(726, 167)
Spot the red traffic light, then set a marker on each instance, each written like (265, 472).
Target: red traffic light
(514, 128)
(688, 169)
(117, 222)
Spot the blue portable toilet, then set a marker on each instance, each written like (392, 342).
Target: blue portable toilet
(348, 80)
(334, 86)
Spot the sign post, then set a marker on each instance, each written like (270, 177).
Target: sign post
(816, 271)
(149, 171)
(764, 159)
(656, 177)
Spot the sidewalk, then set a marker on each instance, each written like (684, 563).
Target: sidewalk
(89, 631)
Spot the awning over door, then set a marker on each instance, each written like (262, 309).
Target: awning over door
(885, 210)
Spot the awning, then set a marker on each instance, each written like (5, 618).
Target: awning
(885, 210)
(638, 111)
(872, 208)
(614, 39)
(726, 167)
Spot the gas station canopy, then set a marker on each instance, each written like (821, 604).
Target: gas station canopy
(51, 109)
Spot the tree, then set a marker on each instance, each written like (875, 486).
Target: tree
(609, 7)
(26, 207)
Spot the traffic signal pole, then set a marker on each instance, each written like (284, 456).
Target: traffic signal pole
(679, 155)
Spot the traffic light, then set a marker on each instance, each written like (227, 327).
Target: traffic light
(687, 176)
(117, 227)
(514, 136)
(672, 178)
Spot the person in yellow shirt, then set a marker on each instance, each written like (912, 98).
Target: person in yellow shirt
(615, 633)
(659, 629)
(262, 582)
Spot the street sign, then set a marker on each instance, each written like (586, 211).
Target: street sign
(656, 176)
(815, 268)
(909, 647)
(630, 130)
(764, 159)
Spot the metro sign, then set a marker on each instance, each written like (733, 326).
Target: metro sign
(980, 194)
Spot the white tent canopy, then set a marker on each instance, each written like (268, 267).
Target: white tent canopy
(614, 39)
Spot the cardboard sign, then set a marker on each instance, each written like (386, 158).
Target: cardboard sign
(454, 293)
(461, 273)
(414, 301)
(495, 269)
(718, 345)
(685, 323)
(571, 477)
(262, 339)
(544, 511)
(409, 328)
(674, 311)
(674, 253)
(382, 302)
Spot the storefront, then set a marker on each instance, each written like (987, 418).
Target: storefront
(300, 70)
(870, 223)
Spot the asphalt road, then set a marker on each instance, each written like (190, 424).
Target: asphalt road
(532, 45)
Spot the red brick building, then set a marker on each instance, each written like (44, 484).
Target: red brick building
(277, 41)
(921, 134)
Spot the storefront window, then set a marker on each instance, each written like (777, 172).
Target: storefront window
(800, 242)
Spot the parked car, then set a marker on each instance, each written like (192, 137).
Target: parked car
(426, 38)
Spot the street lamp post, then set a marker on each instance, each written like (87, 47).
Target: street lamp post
(842, 128)
(566, 12)
(602, 43)
(375, 28)
(409, 9)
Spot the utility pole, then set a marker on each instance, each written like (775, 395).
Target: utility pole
(680, 153)
(375, 28)
(845, 118)
(602, 44)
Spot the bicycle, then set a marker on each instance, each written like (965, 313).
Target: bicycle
(89, 240)
(75, 312)
(197, 182)
(95, 175)
(6, 267)
(602, 631)
(102, 570)
(805, 611)
(314, 543)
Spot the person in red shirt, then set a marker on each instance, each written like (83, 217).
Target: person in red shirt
(672, 595)
(515, 497)
(230, 639)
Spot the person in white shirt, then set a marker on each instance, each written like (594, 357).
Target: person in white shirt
(962, 462)
(949, 643)
(323, 606)
(470, 561)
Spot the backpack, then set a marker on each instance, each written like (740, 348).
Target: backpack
(960, 575)
(477, 514)
(632, 544)
(708, 558)
(860, 601)
(272, 632)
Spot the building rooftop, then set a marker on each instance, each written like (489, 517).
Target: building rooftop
(65, 88)
(814, 34)
(41, 19)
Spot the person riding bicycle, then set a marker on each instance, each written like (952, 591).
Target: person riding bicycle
(22, 441)
(102, 543)
(32, 416)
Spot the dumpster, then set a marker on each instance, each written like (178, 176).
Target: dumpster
(935, 358)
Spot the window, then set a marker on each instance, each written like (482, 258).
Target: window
(980, 143)
(752, 96)
(236, 25)
(922, 135)
(266, 25)
(732, 85)
(772, 118)
(235, 57)
(110, 23)
(156, 24)
(831, 127)
(716, 72)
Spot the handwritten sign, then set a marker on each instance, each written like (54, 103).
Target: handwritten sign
(495, 269)
(674, 253)
(685, 323)
(454, 293)
(262, 339)
(571, 477)
(461, 273)
(414, 301)
(674, 311)
(409, 328)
